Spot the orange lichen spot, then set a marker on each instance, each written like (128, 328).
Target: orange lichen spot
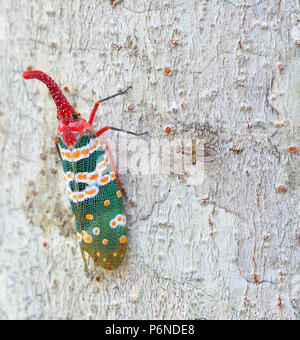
(107, 203)
(85, 152)
(98, 254)
(113, 223)
(97, 278)
(167, 70)
(123, 239)
(105, 241)
(168, 130)
(94, 177)
(104, 179)
(292, 148)
(115, 254)
(81, 176)
(45, 244)
(119, 194)
(89, 216)
(76, 154)
(90, 192)
(88, 239)
(281, 188)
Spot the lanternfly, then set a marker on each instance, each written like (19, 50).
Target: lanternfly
(92, 182)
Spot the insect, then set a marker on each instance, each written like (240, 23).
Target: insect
(92, 182)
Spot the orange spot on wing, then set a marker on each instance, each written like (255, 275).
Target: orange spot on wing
(76, 154)
(88, 216)
(119, 218)
(68, 154)
(119, 193)
(81, 176)
(90, 192)
(123, 239)
(85, 151)
(88, 239)
(105, 241)
(80, 196)
(104, 180)
(106, 203)
(94, 177)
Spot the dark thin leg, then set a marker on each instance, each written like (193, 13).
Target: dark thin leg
(92, 115)
(98, 133)
(113, 164)
(57, 148)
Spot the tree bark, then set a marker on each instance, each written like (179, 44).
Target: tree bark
(217, 239)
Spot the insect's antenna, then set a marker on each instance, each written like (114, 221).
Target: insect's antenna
(64, 109)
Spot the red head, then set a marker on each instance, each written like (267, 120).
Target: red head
(71, 128)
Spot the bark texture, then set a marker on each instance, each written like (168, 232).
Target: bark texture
(223, 71)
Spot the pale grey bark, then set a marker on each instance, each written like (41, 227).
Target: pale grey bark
(227, 248)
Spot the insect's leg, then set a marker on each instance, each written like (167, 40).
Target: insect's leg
(84, 260)
(112, 162)
(98, 133)
(57, 148)
(92, 115)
